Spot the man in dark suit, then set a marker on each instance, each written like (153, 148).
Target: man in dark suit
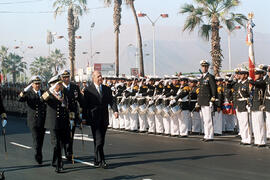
(73, 95)
(36, 113)
(97, 97)
(206, 97)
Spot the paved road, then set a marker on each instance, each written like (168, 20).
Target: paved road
(136, 156)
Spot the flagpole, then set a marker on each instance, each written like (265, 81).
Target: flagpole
(250, 43)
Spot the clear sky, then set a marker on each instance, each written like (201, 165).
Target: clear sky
(29, 20)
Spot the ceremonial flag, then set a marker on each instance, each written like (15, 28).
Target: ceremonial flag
(250, 41)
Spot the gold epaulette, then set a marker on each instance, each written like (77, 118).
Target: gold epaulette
(169, 87)
(220, 90)
(197, 90)
(160, 86)
(144, 87)
(186, 88)
(45, 95)
(136, 88)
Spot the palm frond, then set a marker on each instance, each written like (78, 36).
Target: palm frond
(205, 31)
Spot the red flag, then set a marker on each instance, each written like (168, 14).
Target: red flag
(249, 41)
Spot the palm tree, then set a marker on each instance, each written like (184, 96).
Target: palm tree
(208, 16)
(57, 60)
(3, 57)
(117, 22)
(14, 65)
(75, 8)
(130, 3)
(42, 66)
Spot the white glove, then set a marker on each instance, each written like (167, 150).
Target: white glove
(151, 102)
(249, 78)
(156, 83)
(172, 102)
(4, 123)
(28, 87)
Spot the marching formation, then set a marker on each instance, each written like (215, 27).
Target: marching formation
(176, 106)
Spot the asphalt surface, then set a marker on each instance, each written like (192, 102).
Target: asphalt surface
(135, 156)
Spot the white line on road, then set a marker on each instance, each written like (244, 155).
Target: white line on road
(20, 145)
(79, 136)
(80, 161)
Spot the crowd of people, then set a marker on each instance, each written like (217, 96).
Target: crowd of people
(176, 106)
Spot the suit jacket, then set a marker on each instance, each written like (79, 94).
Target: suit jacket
(208, 89)
(36, 110)
(96, 106)
(258, 94)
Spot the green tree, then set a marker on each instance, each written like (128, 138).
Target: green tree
(208, 16)
(75, 8)
(42, 66)
(57, 60)
(117, 23)
(14, 65)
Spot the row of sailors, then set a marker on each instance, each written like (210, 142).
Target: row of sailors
(164, 107)
(170, 106)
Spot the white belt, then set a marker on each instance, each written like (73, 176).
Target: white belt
(242, 99)
(267, 98)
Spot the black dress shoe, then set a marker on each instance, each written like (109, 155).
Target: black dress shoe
(96, 164)
(185, 136)
(261, 145)
(59, 167)
(38, 159)
(69, 157)
(104, 165)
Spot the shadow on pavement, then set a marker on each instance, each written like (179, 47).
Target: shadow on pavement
(128, 177)
(117, 165)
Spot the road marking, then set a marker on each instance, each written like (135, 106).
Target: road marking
(82, 162)
(79, 136)
(20, 145)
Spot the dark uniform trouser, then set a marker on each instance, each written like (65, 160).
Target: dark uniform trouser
(69, 148)
(38, 137)
(99, 141)
(57, 141)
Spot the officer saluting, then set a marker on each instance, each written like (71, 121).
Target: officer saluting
(36, 113)
(57, 119)
(73, 95)
(207, 95)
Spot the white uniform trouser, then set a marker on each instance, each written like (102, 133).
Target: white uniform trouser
(184, 119)
(196, 122)
(127, 121)
(217, 122)
(258, 127)
(208, 124)
(244, 128)
(167, 124)
(229, 122)
(202, 123)
(174, 124)
(267, 120)
(116, 124)
(121, 121)
(159, 123)
(151, 122)
(134, 121)
(142, 121)
(110, 118)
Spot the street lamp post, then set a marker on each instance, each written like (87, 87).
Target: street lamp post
(154, 35)
(91, 41)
